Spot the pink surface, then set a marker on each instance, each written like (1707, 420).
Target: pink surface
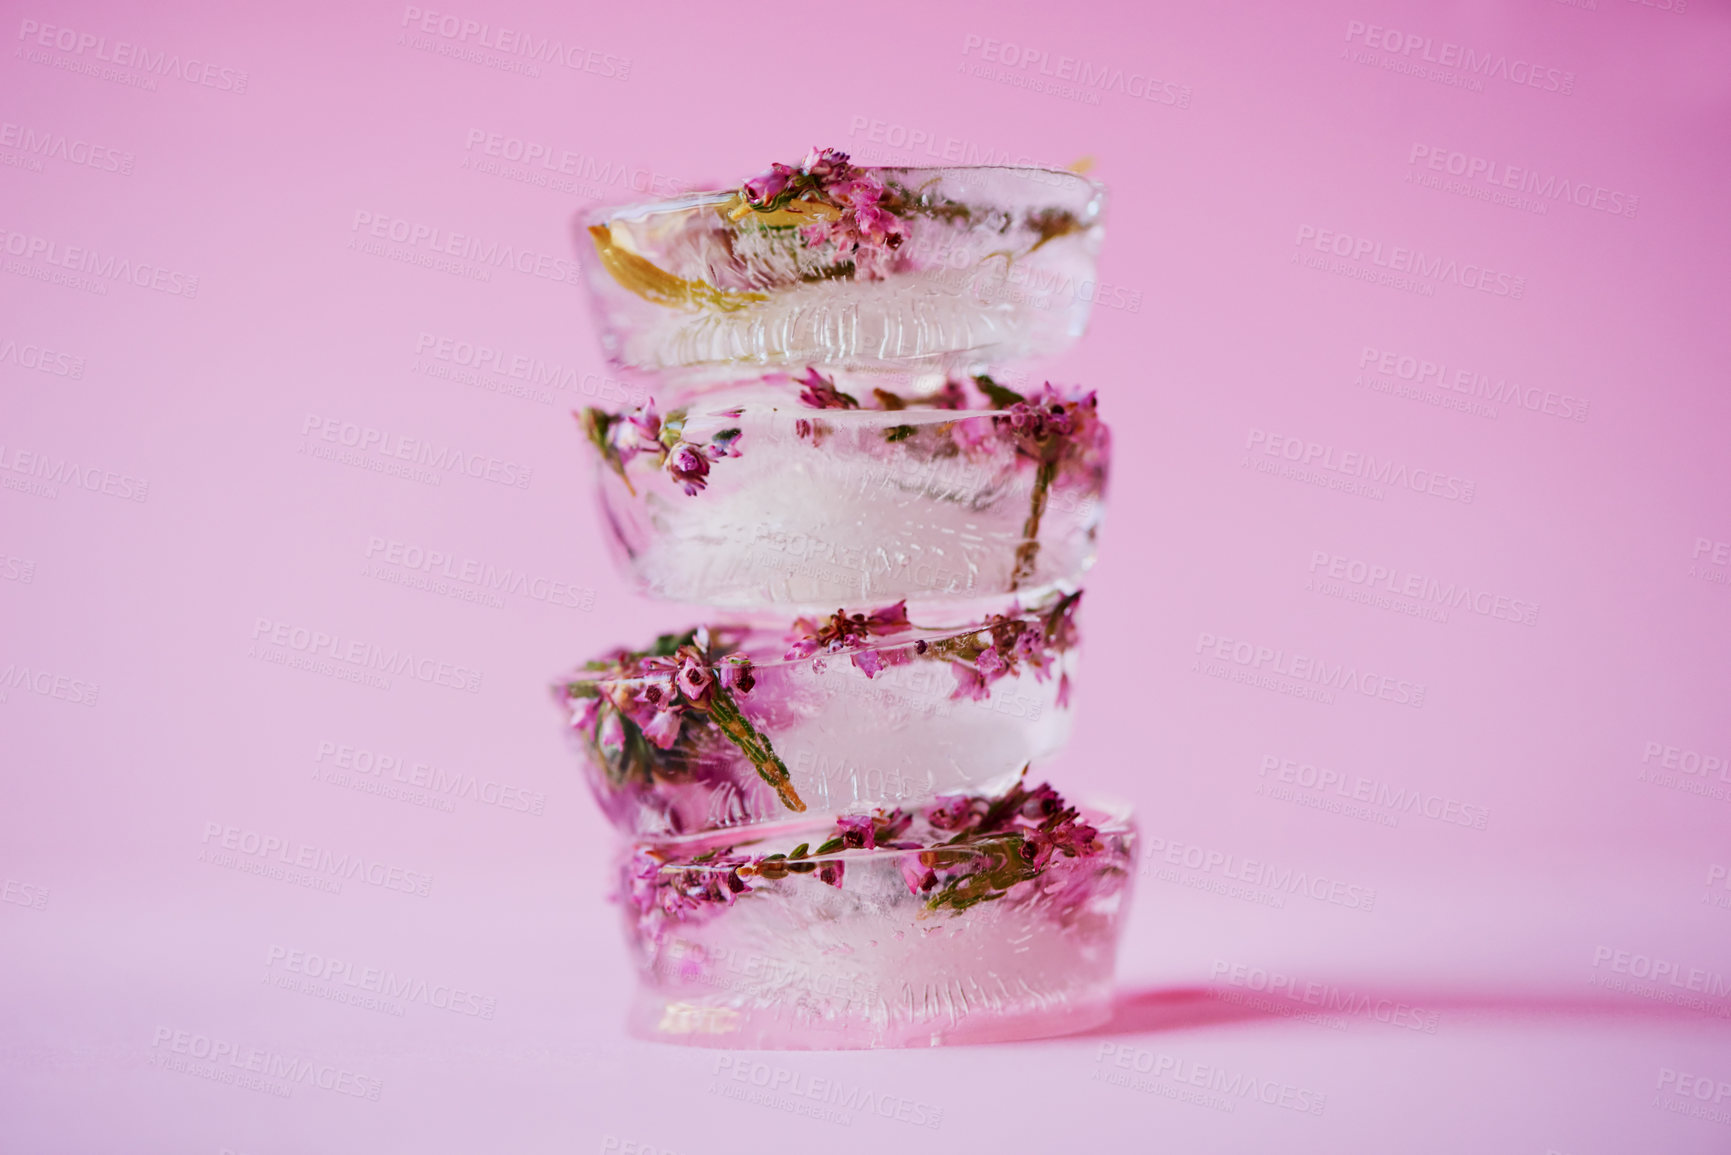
(1535, 955)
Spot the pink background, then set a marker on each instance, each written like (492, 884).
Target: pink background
(1555, 981)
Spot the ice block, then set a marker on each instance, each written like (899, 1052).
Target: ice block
(967, 921)
(736, 726)
(836, 264)
(815, 489)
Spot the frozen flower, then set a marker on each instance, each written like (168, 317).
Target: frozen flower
(918, 876)
(857, 832)
(694, 679)
(972, 434)
(736, 674)
(766, 186)
(819, 392)
(826, 163)
(969, 685)
(583, 713)
(611, 734)
(689, 466)
(663, 729)
(830, 872)
(843, 631)
(646, 422)
(657, 693)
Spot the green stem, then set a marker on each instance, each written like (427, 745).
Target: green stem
(725, 713)
(1030, 547)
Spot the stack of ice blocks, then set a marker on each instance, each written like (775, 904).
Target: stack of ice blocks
(836, 837)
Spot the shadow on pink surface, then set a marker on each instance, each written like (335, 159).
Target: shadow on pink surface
(1154, 1010)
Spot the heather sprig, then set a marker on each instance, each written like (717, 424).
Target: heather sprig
(642, 701)
(620, 437)
(957, 852)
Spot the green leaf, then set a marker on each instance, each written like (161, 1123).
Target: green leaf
(731, 721)
(998, 395)
(597, 425)
(898, 433)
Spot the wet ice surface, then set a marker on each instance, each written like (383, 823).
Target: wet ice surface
(829, 507)
(850, 743)
(799, 964)
(998, 264)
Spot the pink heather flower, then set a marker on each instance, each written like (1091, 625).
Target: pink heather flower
(1063, 699)
(663, 730)
(857, 832)
(657, 693)
(826, 164)
(972, 434)
(736, 674)
(646, 421)
(919, 877)
(695, 679)
(814, 234)
(868, 662)
(830, 872)
(954, 811)
(991, 665)
(766, 186)
(583, 713)
(819, 392)
(611, 735)
(890, 619)
(951, 396)
(969, 685)
(689, 466)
